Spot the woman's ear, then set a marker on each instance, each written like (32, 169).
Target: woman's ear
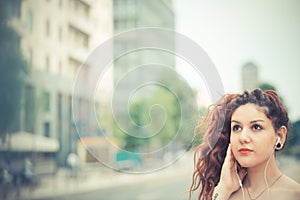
(281, 132)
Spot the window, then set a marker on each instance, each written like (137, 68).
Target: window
(60, 68)
(30, 20)
(85, 72)
(80, 7)
(46, 101)
(60, 4)
(30, 59)
(13, 9)
(75, 65)
(59, 106)
(59, 114)
(78, 37)
(29, 105)
(60, 34)
(47, 129)
(47, 64)
(48, 28)
(116, 24)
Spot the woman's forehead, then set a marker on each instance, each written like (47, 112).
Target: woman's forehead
(249, 110)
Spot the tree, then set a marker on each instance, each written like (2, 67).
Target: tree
(292, 144)
(293, 140)
(179, 101)
(269, 86)
(12, 69)
(159, 115)
(139, 117)
(266, 86)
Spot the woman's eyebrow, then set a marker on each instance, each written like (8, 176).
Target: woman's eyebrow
(257, 120)
(251, 122)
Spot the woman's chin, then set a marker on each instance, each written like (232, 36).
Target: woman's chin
(245, 164)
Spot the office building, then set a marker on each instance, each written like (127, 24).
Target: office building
(56, 37)
(249, 76)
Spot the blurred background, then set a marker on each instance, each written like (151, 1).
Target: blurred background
(46, 154)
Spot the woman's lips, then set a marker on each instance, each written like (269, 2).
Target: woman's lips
(245, 151)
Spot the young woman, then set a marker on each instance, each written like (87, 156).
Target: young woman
(236, 159)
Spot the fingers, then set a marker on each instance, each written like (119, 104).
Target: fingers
(242, 173)
(229, 157)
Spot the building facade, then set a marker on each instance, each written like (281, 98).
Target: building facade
(56, 37)
(129, 15)
(249, 76)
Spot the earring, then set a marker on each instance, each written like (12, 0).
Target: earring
(278, 144)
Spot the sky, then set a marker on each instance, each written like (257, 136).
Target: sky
(235, 32)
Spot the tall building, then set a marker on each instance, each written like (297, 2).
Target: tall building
(56, 37)
(129, 15)
(249, 76)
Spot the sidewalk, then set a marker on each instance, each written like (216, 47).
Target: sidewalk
(99, 178)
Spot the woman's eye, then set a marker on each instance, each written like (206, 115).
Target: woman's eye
(256, 127)
(236, 128)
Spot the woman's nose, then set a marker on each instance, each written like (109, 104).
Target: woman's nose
(245, 136)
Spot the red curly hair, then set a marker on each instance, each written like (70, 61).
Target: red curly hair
(210, 154)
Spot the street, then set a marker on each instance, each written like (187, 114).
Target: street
(169, 183)
(175, 188)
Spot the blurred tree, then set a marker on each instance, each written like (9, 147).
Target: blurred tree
(139, 117)
(293, 140)
(269, 86)
(12, 68)
(199, 130)
(179, 102)
(292, 147)
(165, 112)
(266, 86)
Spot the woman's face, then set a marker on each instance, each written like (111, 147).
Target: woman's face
(252, 136)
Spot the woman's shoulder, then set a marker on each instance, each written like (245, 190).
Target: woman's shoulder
(288, 183)
(287, 188)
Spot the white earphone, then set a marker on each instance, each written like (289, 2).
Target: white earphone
(278, 144)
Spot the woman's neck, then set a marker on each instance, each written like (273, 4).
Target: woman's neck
(256, 175)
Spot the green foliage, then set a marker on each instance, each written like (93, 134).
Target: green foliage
(134, 141)
(12, 69)
(165, 114)
(266, 86)
(292, 146)
(199, 130)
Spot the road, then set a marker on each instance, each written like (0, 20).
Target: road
(171, 183)
(174, 188)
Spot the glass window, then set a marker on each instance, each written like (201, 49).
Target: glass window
(47, 28)
(30, 57)
(46, 101)
(47, 63)
(60, 34)
(30, 20)
(75, 65)
(59, 120)
(60, 68)
(60, 3)
(47, 129)
(29, 105)
(78, 37)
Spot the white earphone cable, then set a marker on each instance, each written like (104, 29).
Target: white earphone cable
(240, 182)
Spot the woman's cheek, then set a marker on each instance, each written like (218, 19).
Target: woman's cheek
(234, 154)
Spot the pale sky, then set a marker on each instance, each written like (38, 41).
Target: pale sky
(235, 32)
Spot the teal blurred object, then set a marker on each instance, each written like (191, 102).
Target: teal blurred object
(127, 160)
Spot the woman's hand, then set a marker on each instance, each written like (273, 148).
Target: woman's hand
(229, 181)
